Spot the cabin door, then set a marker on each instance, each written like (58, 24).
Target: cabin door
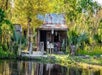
(43, 38)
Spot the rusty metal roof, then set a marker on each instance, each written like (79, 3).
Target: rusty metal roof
(53, 26)
(53, 21)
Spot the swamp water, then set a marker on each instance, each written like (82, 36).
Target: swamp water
(35, 68)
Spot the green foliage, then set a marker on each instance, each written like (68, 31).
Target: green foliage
(3, 19)
(0, 31)
(87, 5)
(5, 33)
(72, 36)
(6, 54)
(2, 16)
(30, 8)
(96, 51)
(97, 38)
(79, 40)
(84, 22)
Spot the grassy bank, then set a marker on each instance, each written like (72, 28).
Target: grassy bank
(95, 60)
(91, 62)
(74, 61)
(65, 60)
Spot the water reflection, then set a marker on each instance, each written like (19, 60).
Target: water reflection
(33, 68)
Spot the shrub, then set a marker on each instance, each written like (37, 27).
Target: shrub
(96, 51)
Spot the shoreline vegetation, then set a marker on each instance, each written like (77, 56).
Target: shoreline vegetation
(85, 62)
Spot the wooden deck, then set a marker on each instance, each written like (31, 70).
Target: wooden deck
(37, 54)
(34, 54)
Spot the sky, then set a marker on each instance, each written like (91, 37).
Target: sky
(99, 1)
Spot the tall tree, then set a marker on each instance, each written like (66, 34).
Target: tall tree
(80, 16)
(26, 15)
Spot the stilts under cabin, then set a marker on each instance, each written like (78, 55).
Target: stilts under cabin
(52, 34)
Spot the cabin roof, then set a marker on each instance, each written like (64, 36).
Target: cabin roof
(53, 21)
(53, 26)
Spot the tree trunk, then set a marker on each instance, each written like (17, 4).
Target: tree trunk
(29, 37)
(6, 5)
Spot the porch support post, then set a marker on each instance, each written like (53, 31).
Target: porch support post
(38, 40)
(66, 40)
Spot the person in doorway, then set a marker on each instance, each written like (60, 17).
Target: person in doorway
(58, 45)
(55, 47)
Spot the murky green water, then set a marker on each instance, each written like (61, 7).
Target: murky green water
(34, 68)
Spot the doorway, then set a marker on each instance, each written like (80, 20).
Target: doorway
(56, 37)
(43, 38)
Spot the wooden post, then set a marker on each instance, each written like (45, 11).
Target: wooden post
(38, 39)
(29, 36)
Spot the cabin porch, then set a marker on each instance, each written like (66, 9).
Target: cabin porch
(52, 41)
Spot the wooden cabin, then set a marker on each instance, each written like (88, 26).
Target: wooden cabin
(52, 34)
